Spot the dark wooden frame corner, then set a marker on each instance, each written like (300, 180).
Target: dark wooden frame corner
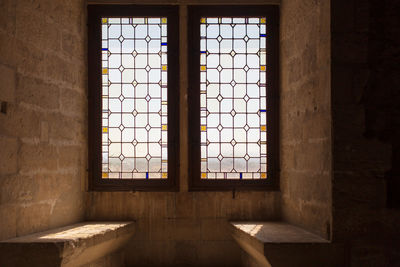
(96, 183)
(271, 12)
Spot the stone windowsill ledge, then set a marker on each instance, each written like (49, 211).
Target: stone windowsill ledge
(71, 245)
(283, 244)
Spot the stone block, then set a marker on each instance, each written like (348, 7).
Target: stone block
(17, 189)
(362, 15)
(8, 222)
(44, 131)
(156, 204)
(205, 204)
(294, 72)
(7, 16)
(215, 229)
(41, 34)
(309, 59)
(115, 259)
(69, 207)
(8, 155)
(63, 127)
(7, 83)
(61, 70)
(349, 47)
(270, 243)
(218, 253)
(186, 253)
(73, 103)
(73, 45)
(162, 229)
(187, 229)
(143, 253)
(185, 205)
(37, 92)
(73, 245)
(37, 157)
(33, 217)
(7, 49)
(71, 156)
(343, 12)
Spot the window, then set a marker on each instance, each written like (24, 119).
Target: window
(134, 99)
(233, 97)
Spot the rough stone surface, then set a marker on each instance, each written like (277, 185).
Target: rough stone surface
(366, 120)
(305, 115)
(43, 132)
(183, 228)
(276, 233)
(339, 125)
(280, 244)
(88, 243)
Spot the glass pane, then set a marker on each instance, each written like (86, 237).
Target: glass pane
(233, 98)
(134, 92)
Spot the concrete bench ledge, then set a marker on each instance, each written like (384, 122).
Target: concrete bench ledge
(73, 245)
(281, 244)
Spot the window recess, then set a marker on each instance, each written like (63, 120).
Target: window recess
(133, 102)
(233, 97)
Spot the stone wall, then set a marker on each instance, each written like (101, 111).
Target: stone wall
(366, 120)
(183, 228)
(305, 114)
(43, 140)
(43, 120)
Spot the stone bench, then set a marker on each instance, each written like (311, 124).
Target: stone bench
(279, 244)
(73, 245)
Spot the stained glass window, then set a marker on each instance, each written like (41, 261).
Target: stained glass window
(134, 98)
(233, 122)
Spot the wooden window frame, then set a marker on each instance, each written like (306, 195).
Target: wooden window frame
(96, 182)
(272, 15)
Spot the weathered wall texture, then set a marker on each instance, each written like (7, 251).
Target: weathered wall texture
(366, 120)
(305, 114)
(43, 131)
(183, 228)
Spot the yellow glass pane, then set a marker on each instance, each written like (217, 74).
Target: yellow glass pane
(105, 71)
(105, 175)
(263, 128)
(203, 175)
(263, 175)
(262, 68)
(203, 128)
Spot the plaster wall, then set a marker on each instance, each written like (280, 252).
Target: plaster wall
(305, 115)
(43, 118)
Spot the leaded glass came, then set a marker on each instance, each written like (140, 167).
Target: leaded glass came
(134, 98)
(233, 131)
